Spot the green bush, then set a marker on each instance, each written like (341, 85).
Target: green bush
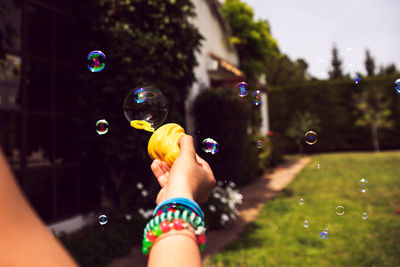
(223, 116)
(333, 103)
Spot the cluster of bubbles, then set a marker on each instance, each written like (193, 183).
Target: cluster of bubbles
(96, 61)
(310, 137)
(102, 127)
(397, 85)
(210, 146)
(256, 96)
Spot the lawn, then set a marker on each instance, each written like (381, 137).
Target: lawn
(278, 236)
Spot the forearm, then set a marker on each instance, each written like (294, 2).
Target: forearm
(175, 250)
(25, 240)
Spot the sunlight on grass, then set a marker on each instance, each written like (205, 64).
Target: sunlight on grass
(278, 236)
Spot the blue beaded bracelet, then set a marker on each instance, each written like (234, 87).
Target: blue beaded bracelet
(181, 201)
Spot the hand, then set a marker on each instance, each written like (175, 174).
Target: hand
(189, 177)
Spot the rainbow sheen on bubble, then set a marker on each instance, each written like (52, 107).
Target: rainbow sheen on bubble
(96, 61)
(357, 79)
(147, 105)
(102, 127)
(210, 146)
(397, 85)
(256, 97)
(310, 137)
(243, 91)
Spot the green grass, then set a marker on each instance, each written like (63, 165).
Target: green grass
(278, 237)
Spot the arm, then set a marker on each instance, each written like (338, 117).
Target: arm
(24, 239)
(190, 177)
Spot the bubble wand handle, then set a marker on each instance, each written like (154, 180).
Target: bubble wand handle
(163, 143)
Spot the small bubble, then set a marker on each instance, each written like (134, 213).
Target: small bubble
(397, 85)
(210, 146)
(144, 193)
(242, 86)
(103, 219)
(339, 210)
(318, 166)
(256, 97)
(306, 223)
(324, 234)
(259, 144)
(364, 215)
(139, 186)
(174, 205)
(128, 217)
(310, 137)
(357, 79)
(96, 61)
(301, 201)
(102, 127)
(363, 185)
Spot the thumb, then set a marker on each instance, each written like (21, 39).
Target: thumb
(186, 147)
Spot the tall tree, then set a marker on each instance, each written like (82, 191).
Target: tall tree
(336, 72)
(369, 64)
(375, 110)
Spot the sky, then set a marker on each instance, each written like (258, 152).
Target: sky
(309, 28)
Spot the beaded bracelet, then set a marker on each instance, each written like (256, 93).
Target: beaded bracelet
(177, 220)
(194, 220)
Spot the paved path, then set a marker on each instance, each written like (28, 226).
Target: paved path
(254, 197)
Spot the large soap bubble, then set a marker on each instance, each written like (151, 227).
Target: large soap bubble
(146, 108)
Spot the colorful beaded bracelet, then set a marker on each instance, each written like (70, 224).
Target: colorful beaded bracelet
(177, 224)
(194, 220)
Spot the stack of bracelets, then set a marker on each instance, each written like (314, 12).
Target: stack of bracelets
(174, 213)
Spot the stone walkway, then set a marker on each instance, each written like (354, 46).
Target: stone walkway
(255, 196)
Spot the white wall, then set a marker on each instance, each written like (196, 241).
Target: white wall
(214, 42)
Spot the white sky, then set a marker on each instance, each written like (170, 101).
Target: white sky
(309, 28)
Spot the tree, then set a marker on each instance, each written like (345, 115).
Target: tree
(300, 124)
(375, 113)
(369, 64)
(336, 72)
(253, 38)
(388, 70)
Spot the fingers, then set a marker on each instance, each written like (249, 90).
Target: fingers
(186, 146)
(161, 171)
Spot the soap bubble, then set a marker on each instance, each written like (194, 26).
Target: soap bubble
(324, 234)
(146, 107)
(363, 185)
(103, 219)
(306, 223)
(102, 127)
(210, 146)
(318, 166)
(357, 79)
(301, 201)
(256, 97)
(259, 144)
(242, 86)
(96, 61)
(364, 215)
(310, 137)
(212, 208)
(339, 210)
(397, 85)
(128, 217)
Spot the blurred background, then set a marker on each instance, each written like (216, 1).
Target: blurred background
(195, 52)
